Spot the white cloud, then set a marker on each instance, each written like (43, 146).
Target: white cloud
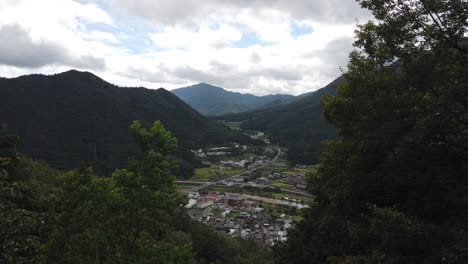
(202, 38)
(245, 45)
(40, 33)
(195, 11)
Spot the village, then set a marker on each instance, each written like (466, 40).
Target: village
(247, 192)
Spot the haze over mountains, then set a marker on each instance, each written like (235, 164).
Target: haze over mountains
(75, 116)
(214, 101)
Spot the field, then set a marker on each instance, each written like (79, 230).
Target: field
(232, 125)
(182, 187)
(294, 171)
(280, 185)
(205, 174)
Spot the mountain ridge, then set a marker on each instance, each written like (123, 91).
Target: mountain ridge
(213, 100)
(76, 116)
(298, 125)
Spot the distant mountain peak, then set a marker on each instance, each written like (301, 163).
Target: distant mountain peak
(213, 100)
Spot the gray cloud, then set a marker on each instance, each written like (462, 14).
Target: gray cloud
(239, 80)
(333, 56)
(186, 11)
(255, 58)
(17, 48)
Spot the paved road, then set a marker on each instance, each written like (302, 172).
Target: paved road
(190, 182)
(297, 192)
(271, 200)
(206, 184)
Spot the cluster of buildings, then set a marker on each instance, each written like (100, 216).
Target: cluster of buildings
(218, 151)
(257, 135)
(239, 217)
(297, 180)
(229, 164)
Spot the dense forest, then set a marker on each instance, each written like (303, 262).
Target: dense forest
(298, 125)
(75, 117)
(391, 188)
(214, 101)
(394, 188)
(132, 216)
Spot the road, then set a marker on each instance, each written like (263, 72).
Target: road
(270, 200)
(206, 184)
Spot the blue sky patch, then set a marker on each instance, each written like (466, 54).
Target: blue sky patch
(250, 38)
(297, 30)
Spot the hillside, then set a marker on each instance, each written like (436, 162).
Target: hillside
(298, 125)
(75, 117)
(213, 101)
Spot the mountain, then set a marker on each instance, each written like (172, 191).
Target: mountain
(213, 101)
(75, 117)
(298, 125)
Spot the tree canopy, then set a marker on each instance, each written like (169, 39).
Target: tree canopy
(394, 189)
(134, 216)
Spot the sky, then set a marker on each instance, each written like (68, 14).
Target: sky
(248, 46)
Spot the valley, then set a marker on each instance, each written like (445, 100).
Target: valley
(258, 199)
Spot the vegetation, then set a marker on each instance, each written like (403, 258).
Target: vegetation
(280, 185)
(134, 216)
(184, 186)
(394, 188)
(298, 125)
(75, 117)
(232, 125)
(208, 173)
(214, 101)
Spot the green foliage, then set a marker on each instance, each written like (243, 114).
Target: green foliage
(298, 125)
(394, 189)
(208, 173)
(75, 118)
(214, 101)
(125, 218)
(134, 216)
(21, 202)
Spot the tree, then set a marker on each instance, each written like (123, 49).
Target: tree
(126, 218)
(20, 218)
(394, 189)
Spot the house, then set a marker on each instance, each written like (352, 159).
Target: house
(231, 164)
(214, 196)
(243, 215)
(238, 179)
(233, 200)
(205, 203)
(218, 153)
(194, 195)
(249, 204)
(191, 203)
(263, 180)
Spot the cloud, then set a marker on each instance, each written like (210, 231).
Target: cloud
(17, 48)
(254, 46)
(205, 37)
(194, 11)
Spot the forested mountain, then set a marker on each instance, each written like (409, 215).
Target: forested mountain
(298, 125)
(75, 116)
(213, 101)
